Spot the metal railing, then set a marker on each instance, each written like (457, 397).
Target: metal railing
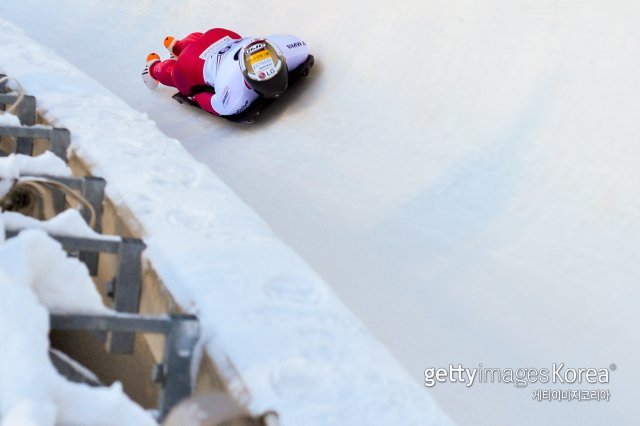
(58, 139)
(181, 332)
(125, 286)
(181, 336)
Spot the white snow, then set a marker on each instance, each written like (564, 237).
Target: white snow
(47, 163)
(36, 277)
(67, 224)
(7, 119)
(292, 345)
(62, 284)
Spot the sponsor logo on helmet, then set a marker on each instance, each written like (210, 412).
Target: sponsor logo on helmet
(297, 44)
(254, 48)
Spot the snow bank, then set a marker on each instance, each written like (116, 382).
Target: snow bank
(37, 276)
(294, 346)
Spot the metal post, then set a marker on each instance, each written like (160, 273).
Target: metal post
(179, 345)
(93, 191)
(24, 146)
(27, 110)
(59, 143)
(127, 289)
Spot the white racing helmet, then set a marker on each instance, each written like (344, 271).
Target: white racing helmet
(264, 68)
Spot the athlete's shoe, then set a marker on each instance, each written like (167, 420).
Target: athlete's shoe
(169, 43)
(151, 82)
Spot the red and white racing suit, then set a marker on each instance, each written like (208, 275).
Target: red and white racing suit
(210, 59)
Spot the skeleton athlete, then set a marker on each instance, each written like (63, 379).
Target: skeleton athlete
(223, 72)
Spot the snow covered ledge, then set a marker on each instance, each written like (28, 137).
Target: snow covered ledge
(293, 344)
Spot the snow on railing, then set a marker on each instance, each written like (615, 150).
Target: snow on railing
(36, 276)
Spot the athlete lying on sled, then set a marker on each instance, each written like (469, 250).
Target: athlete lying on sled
(224, 73)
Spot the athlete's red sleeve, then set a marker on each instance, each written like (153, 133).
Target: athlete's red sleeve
(204, 100)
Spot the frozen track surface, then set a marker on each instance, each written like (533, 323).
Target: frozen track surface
(464, 174)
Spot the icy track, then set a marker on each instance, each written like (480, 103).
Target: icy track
(464, 174)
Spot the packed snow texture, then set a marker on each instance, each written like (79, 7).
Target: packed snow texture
(37, 277)
(291, 344)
